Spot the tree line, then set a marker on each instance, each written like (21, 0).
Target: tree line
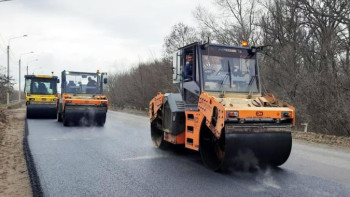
(135, 88)
(306, 63)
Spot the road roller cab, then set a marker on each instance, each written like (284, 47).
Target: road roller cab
(82, 101)
(41, 96)
(220, 110)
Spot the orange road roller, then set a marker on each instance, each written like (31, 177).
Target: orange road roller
(82, 101)
(220, 110)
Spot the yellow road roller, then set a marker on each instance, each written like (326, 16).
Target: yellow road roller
(41, 96)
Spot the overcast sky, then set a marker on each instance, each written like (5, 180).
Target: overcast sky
(85, 35)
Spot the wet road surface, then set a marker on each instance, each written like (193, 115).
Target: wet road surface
(119, 160)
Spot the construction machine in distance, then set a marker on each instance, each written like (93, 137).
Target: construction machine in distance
(221, 111)
(41, 96)
(82, 101)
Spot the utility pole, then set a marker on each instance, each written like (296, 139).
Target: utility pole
(8, 67)
(8, 75)
(19, 80)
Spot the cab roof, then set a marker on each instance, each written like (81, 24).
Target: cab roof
(40, 76)
(82, 73)
(213, 44)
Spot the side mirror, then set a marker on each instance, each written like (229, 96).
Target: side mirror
(176, 67)
(58, 80)
(105, 80)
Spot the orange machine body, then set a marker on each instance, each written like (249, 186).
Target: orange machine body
(258, 108)
(93, 100)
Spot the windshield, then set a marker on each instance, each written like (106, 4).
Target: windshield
(231, 70)
(41, 86)
(79, 83)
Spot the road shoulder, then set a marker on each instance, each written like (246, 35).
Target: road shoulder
(340, 142)
(14, 179)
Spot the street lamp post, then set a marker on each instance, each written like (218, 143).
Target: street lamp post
(30, 62)
(19, 74)
(8, 67)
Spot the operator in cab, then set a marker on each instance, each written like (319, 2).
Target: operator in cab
(188, 68)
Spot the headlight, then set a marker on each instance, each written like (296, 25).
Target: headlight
(31, 99)
(232, 114)
(286, 114)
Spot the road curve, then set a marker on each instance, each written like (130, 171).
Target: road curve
(119, 160)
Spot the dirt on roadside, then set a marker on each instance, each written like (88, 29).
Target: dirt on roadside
(14, 179)
(332, 140)
(2, 123)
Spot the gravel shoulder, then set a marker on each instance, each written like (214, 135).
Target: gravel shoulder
(342, 142)
(14, 179)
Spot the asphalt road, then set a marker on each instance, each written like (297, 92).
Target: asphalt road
(119, 160)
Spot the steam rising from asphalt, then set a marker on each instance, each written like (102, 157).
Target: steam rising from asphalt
(245, 160)
(247, 164)
(88, 120)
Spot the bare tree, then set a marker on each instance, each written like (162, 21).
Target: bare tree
(134, 89)
(307, 64)
(179, 36)
(235, 23)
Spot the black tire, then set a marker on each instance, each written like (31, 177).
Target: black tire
(157, 136)
(28, 115)
(101, 120)
(59, 116)
(65, 120)
(212, 150)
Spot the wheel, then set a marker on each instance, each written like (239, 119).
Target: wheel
(212, 150)
(101, 121)
(157, 136)
(59, 116)
(28, 114)
(65, 120)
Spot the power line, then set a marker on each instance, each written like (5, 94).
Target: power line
(2, 47)
(2, 39)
